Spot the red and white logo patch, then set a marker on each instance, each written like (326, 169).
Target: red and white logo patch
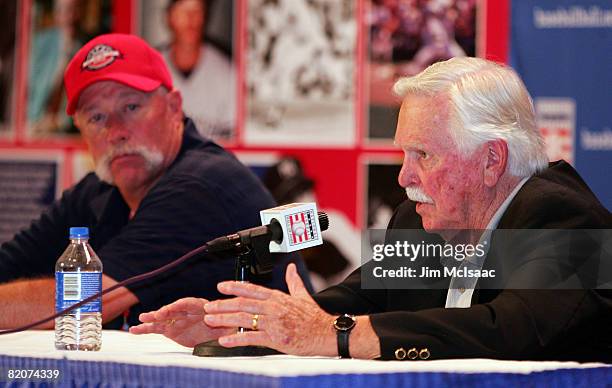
(556, 117)
(301, 227)
(99, 57)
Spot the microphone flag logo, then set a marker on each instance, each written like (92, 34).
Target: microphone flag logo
(301, 226)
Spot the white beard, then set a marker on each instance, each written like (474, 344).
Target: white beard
(153, 159)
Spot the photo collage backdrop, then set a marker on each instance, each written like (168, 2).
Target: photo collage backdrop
(298, 89)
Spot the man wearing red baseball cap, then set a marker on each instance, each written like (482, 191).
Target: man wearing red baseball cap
(159, 191)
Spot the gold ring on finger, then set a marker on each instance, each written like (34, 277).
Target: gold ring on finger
(254, 322)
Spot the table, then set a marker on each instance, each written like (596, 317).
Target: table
(153, 361)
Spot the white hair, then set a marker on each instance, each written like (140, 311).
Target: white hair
(488, 102)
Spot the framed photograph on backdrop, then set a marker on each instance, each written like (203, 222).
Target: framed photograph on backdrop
(300, 68)
(8, 20)
(382, 191)
(196, 39)
(31, 181)
(59, 28)
(404, 38)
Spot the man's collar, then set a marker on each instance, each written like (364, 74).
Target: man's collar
(502, 208)
(191, 135)
(100, 202)
(108, 203)
(485, 238)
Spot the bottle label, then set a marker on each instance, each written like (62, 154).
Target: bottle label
(73, 287)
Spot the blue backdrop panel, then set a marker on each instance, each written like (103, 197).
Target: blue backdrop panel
(563, 52)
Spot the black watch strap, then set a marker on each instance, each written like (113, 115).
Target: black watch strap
(343, 325)
(343, 344)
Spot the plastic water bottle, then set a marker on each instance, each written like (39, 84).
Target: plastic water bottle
(78, 275)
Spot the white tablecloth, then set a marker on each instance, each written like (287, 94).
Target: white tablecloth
(156, 351)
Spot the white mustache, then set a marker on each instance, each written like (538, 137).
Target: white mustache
(152, 159)
(417, 195)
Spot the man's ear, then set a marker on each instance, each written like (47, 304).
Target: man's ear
(175, 102)
(496, 161)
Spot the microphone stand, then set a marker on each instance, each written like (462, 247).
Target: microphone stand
(253, 257)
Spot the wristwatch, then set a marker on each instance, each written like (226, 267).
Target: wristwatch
(343, 325)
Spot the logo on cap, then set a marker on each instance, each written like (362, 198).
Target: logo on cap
(99, 57)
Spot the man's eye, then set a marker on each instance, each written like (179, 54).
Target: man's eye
(95, 118)
(132, 107)
(423, 155)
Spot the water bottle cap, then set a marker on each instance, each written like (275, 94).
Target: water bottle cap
(79, 232)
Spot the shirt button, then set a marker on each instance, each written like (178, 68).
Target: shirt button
(400, 353)
(424, 354)
(412, 354)
(461, 290)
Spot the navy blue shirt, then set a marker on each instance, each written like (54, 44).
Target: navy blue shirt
(205, 193)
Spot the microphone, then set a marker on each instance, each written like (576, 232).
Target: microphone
(287, 228)
(300, 223)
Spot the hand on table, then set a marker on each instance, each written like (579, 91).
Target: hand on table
(181, 321)
(291, 323)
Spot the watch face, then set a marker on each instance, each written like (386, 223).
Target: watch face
(344, 322)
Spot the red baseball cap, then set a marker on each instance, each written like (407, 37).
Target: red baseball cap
(123, 58)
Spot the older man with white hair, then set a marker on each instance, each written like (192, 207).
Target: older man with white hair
(474, 163)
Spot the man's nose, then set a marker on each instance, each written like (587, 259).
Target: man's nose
(407, 175)
(116, 130)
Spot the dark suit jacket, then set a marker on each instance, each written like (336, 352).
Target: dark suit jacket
(519, 324)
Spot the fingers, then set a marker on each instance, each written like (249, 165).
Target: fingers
(185, 305)
(255, 338)
(173, 324)
(295, 283)
(176, 310)
(247, 290)
(149, 328)
(188, 304)
(234, 320)
(147, 317)
(238, 304)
